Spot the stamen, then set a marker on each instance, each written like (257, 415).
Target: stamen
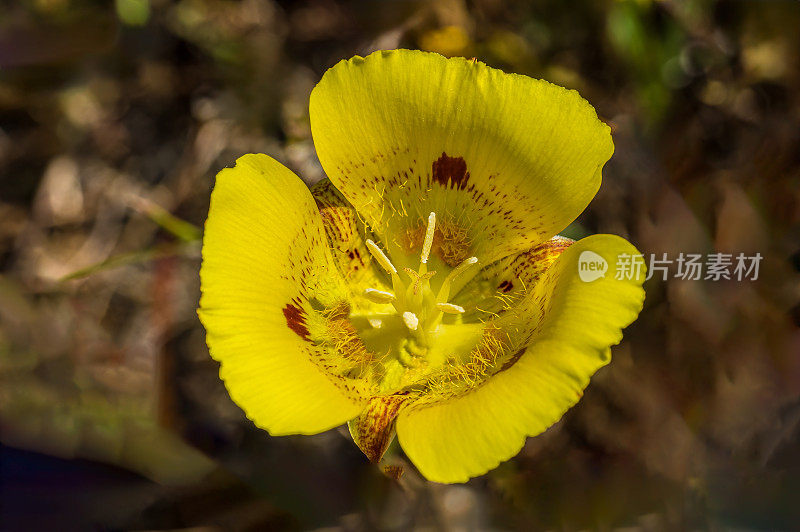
(412, 322)
(463, 266)
(426, 245)
(382, 259)
(378, 296)
(386, 264)
(450, 308)
(412, 298)
(444, 291)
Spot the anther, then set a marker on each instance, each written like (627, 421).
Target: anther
(428, 242)
(382, 259)
(378, 296)
(449, 308)
(411, 320)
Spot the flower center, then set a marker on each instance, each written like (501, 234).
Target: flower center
(412, 297)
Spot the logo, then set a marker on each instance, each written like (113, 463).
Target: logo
(591, 266)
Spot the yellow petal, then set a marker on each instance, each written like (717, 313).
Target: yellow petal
(466, 436)
(346, 237)
(266, 272)
(505, 161)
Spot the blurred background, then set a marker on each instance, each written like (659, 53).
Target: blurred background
(114, 119)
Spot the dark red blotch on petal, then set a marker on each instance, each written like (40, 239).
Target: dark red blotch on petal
(296, 320)
(452, 170)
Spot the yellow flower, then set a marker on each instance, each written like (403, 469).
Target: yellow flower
(421, 290)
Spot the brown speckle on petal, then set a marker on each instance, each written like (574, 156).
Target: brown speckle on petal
(373, 430)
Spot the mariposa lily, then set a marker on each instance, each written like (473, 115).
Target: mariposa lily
(420, 290)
